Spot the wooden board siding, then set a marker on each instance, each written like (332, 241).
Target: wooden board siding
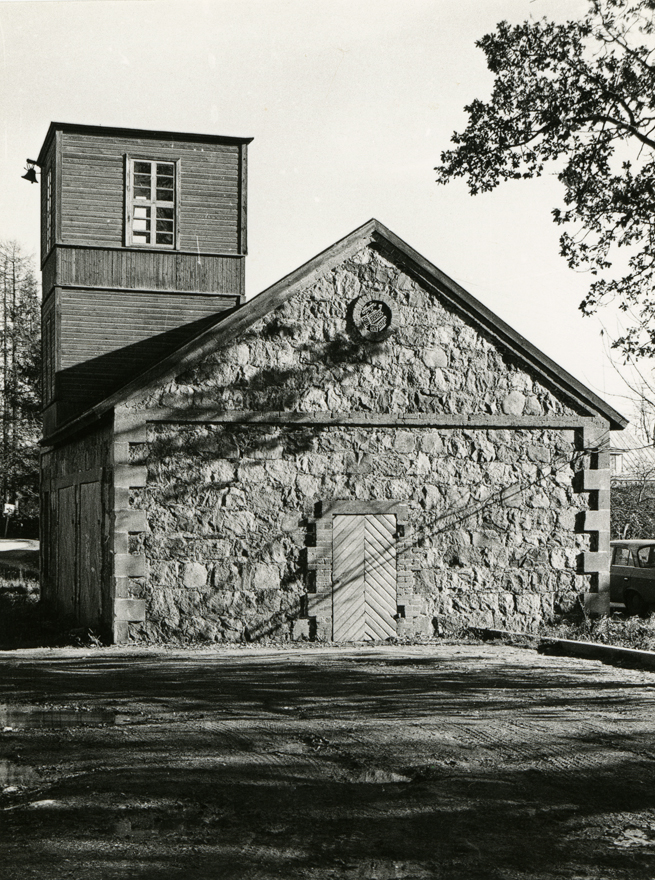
(76, 551)
(48, 274)
(66, 528)
(94, 323)
(93, 190)
(49, 165)
(146, 270)
(48, 350)
(90, 553)
(108, 337)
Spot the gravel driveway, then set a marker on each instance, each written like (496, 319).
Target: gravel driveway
(441, 761)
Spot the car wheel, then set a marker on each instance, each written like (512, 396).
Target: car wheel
(635, 604)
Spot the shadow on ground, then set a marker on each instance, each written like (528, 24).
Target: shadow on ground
(448, 763)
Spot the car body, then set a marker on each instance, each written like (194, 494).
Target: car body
(632, 574)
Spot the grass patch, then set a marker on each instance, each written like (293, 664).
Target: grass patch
(618, 630)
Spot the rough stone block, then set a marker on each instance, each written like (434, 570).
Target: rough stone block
(595, 562)
(121, 498)
(122, 587)
(593, 480)
(603, 499)
(121, 543)
(194, 575)
(603, 541)
(121, 632)
(512, 496)
(130, 520)
(266, 577)
(300, 630)
(323, 629)
(434, 357)
(129, 476)
(514, 403)
(129, 566)
(130, 609)
(596, 521)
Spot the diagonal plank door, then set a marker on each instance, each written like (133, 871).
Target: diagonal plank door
(348, 608)
(380, 576)
(363, 577)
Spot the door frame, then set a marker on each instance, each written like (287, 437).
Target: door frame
(319, 559)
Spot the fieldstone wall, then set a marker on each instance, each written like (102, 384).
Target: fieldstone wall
(305, 356)
(228, 507)
(491, 524)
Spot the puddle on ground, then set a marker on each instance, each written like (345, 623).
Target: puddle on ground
(53, 719)
(12, 774)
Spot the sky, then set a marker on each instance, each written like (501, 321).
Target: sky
(349, 102)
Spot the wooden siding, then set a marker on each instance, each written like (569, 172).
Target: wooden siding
(90, 554)
(93, 190)
(48, 350)
(94, 323)
(49, 165)
(146, 270)
(48, 274)
(108, 337)
(76, 527)
(66, 556)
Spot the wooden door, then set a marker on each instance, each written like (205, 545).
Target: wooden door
(66, 546)
(363, 577)
(90, 607)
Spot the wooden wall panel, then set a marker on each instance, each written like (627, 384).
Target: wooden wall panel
(66, 526)
(48, 274)
(109, 337)
(90, 553)
(149, 270)
(49, 164)
(93, 188)
(94, 323)
(48, 350)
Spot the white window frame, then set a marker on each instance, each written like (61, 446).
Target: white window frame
(131, 202)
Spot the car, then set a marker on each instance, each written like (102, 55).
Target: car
(632, 575)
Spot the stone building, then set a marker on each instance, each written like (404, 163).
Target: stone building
(361, 452)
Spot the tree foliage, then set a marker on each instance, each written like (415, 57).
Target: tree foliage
(633, 509)
(578, 98)
(20, 371)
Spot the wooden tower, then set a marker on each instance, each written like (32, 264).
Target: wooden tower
(143, 240)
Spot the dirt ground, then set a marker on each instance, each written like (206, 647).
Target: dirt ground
(441, 761)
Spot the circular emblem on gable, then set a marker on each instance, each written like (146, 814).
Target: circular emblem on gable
(373, 316)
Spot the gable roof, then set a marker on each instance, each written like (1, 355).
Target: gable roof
(638, 458)
(229, 325)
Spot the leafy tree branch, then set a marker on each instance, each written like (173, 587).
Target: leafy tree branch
(579, 98)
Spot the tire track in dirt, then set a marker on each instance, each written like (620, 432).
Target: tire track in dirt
(284, 746)
(514, 739)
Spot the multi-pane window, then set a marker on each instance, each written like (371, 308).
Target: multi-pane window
(152, 220)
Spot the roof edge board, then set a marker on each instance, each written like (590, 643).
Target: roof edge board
(153, 134)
